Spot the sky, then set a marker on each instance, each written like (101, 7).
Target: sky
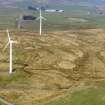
(95, 2)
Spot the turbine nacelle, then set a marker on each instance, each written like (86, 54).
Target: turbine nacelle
(9, 38)
(13, 42)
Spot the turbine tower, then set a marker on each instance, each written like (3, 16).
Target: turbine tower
(41, 18)
(10, 44)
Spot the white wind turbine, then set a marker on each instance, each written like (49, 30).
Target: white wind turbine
(41, 18)
(19, 22)
(10, 44)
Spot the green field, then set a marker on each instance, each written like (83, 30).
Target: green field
(9, 18)
(82, 97)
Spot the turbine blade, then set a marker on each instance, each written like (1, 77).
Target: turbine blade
(6, 46)
(40, 12)
(38, 18)
(43, 18)
(8, 35)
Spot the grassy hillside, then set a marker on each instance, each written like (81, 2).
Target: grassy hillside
(50, 66)
(82, 97)
(64, 66)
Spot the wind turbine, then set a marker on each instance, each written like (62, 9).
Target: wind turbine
(19, 22)
(41, 18)
(10, 44)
